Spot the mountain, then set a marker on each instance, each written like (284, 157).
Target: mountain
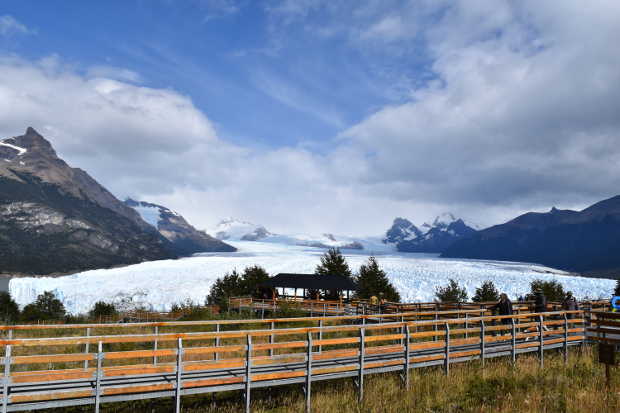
(235, 230)
(185, 238)
(587, 240)
(436, 238)
(58, 219)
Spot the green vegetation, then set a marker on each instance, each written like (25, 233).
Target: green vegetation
(451, 293)
(9, 310)
(102, 309)
(553, 290)
(333, 263)
(486, 292)
(372, 280)
(234, 284)
(46, 307)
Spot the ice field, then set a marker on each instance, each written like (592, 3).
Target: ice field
(159, 284)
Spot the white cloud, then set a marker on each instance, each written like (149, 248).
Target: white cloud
(9, 25)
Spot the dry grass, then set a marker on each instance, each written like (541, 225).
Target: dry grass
(577, 387)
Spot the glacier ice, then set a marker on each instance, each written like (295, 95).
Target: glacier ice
(159, 284)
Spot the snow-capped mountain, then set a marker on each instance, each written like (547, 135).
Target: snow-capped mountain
(433, 238)
(185, 238)
(236, 230)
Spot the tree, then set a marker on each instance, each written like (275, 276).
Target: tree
(333, 263)
(451, 293)
(552, 290)
(372, 280)
(486, 292)
(617, 289)
(46, 307)
(235, 285)
(9, 310)
(102, 309)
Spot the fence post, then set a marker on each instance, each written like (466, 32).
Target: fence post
(272, 337)
(320, 334)
(11, 334)
(435, 326)
(308, 372)
(565, 338)
(248, 371)
(541, 354)
(155, 345)
(482, 342)
(324, 309)
(217, 341)
(514, 341)
(407, 356)
(311, 309)
(7, 378)
(178, 384)
(86, 348)
(402, 329)
(98, 375)
(466, 325)
(360, 379)
(447, 350)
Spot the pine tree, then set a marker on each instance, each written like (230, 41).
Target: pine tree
(451, 293)
(552, 290)
(617, 289)
(372, 280)
(46, 307)
(333, 263)
(234, 284)
(486, 292)
(9, 311)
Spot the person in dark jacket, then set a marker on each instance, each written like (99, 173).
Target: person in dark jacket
(503, 307)
(570, 304)
(540, 302)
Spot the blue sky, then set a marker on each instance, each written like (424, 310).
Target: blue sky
(322, 116)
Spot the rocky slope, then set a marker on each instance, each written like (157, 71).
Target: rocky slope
(185, 238)
(432, 238)
(587, 240)
(58, 219)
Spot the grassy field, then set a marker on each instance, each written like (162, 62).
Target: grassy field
(499, 387)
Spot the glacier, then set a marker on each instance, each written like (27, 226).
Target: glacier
(159, 284)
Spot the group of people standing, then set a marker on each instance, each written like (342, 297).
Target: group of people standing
(504, 305)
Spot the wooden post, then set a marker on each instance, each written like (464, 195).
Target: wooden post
(320, 334)
(402, 329)
(272, 337)
(565, 339)
(308, 371)
(7, 378)
(541, 348)
(360, 380)
(514, 341)
(217, 341)
(178, 384)
(482, 328)
(248, 371)
(447, 350)
(86, 348)
(98, 374)
(155, 345)
(324, 308)
(407, 356)
(435, 326)
(466, 325)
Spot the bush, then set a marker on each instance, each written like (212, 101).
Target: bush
(46, 307)
(9, 310)
(451, 293)
(372, 280)
(486, 292)
(553, 290)
(103, 309)
(191, 311)
(234, 285)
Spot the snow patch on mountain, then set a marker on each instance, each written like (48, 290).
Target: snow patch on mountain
(149, 214)
(19, 149)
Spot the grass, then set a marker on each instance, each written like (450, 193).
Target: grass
(499, 387)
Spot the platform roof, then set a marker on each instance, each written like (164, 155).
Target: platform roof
(311, 281)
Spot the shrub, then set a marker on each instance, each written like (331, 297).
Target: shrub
(372, 280)
(486, 292)
(46, 307)
(191, 311)
(9, 310)
(451, 293)
(102, 309)
(553, 290)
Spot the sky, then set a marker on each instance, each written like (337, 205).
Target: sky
(312, 116)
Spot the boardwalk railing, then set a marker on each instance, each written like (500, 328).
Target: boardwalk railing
(204, 362)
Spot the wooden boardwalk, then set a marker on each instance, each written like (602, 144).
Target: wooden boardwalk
(206, 362)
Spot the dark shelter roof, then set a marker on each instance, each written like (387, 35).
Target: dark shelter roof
(311, 281)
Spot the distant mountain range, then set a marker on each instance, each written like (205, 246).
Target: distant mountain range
(432, 238)
(185, 239)
(585, 241)
(58, 219)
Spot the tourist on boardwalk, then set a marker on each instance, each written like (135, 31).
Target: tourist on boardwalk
(540, 302)
(570, 304)
(503, 307)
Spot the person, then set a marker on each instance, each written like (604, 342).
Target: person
(540, 302)
(503, 307)
(569, 304)
(374, 300)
